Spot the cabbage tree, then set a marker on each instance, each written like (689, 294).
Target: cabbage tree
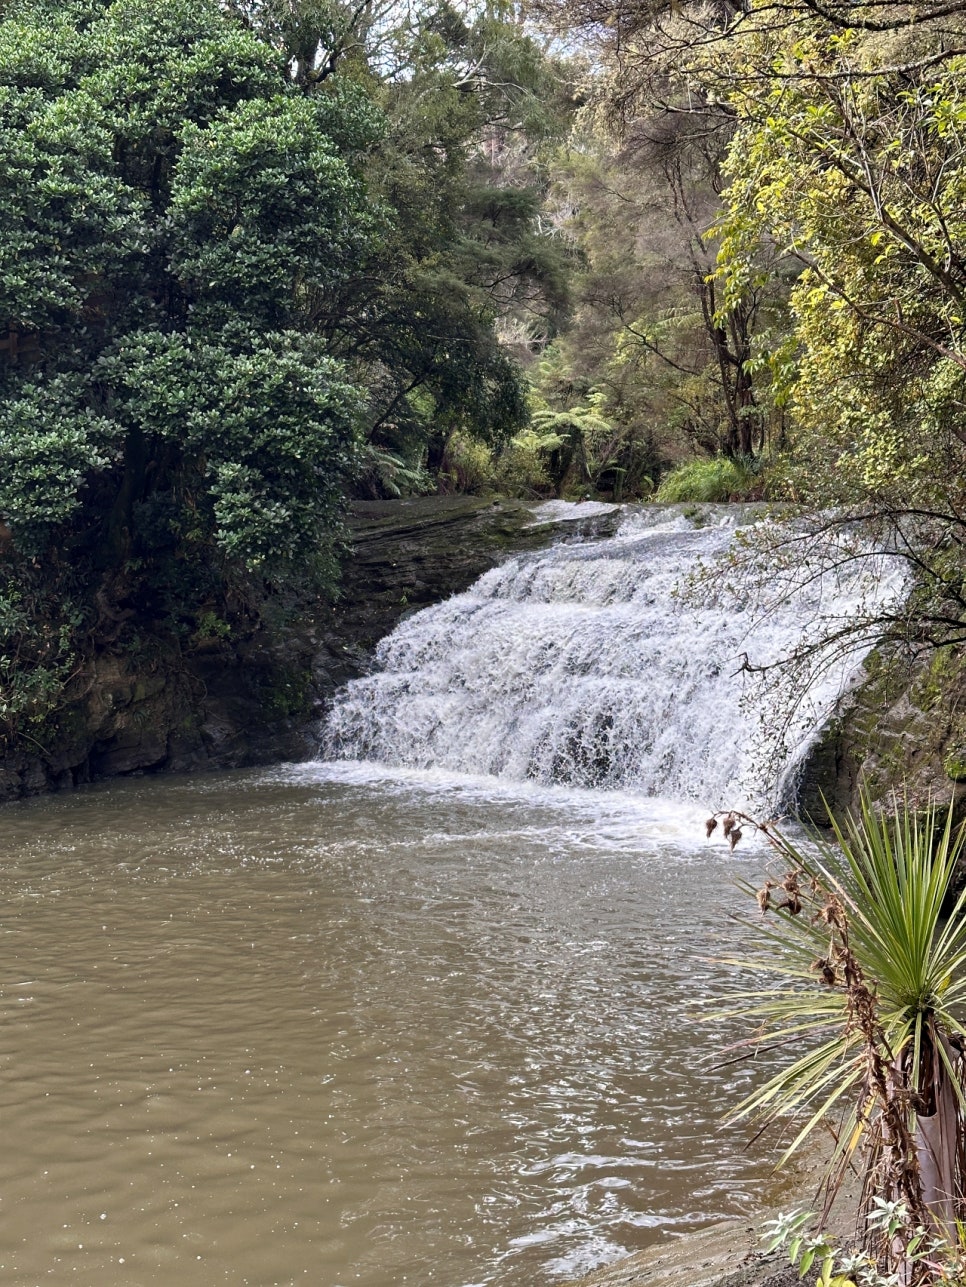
(862, 965)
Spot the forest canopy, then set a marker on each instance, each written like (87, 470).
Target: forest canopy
(253, 258)
(263, 255)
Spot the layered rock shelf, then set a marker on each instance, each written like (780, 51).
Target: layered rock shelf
(229, 702)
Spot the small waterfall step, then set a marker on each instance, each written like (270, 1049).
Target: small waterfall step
(591, 664)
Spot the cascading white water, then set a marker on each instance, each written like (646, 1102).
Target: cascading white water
(589, 665)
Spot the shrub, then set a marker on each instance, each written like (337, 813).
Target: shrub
(718, 479)
(467, 465)
(863, 981)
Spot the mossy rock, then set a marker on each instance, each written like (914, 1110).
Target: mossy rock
(903, 732)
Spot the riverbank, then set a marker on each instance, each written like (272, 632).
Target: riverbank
(731, 1254)
(726, 1255)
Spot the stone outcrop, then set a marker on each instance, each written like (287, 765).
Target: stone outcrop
(223, 702)
(903, 728)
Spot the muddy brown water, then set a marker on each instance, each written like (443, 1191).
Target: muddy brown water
(330, 1025)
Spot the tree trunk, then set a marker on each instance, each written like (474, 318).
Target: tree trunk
(937, 1143)
(436, 453)
(118, 533)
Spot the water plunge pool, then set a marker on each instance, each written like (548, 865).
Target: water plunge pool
(341, 1025)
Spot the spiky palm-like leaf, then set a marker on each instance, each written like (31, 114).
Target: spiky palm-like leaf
(864, 980)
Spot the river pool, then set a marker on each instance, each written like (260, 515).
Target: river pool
(337, 1025)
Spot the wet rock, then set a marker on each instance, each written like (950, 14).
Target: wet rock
(130, 750)
(902, 729)
(722, 1256)
(409, 554)
(730, 1254)
(226, 704)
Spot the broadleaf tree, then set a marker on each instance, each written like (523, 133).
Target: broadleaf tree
(169, 196)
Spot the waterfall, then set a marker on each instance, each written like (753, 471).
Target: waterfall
(610, 664)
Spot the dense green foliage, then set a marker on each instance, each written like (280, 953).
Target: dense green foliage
(717, 479)
(646, 337)
(861, 177)
(170, 201)
(250, 261)
(855, 170)
(470, 104)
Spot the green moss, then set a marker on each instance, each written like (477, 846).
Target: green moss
(882, 740)
(934, 683)
(954, 765)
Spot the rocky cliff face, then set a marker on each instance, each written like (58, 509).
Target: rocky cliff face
(226, 703)
(903, 728)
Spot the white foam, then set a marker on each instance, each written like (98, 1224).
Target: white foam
(586, 666)
(560, 511)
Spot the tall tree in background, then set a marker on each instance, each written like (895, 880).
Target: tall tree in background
(469, 100)
(645, 177)
(170, 201)
(849, 157)
(649, 328)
